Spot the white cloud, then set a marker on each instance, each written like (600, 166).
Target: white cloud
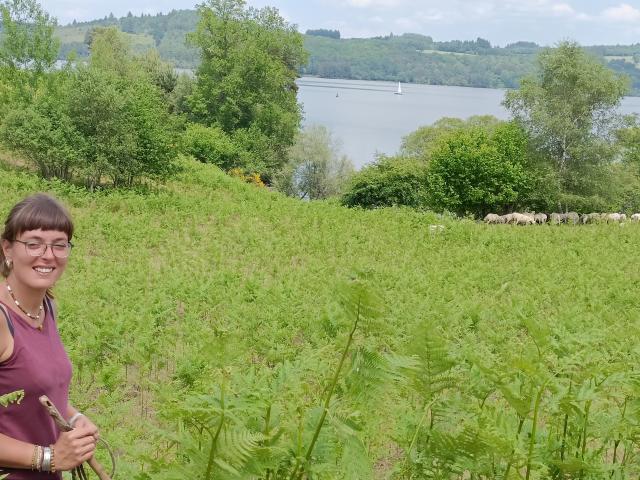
(430, 16)
(622, 13)
(374, 3)
(563, 9)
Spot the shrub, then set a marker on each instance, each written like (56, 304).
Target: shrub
(473, 171)
(388, 182)
(210, 145)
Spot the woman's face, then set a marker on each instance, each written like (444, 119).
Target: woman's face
(31, 267)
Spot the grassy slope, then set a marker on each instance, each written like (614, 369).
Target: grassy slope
(214, 271)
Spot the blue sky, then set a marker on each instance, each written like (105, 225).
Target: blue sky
(499, 21)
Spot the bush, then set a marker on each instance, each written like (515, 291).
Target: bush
(389, 182)
(476, 172)
(210, 145)
(44, 133)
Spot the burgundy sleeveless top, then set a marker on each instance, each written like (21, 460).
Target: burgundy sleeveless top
(38, 365)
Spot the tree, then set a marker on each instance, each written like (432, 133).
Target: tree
(246, 79)
(43, 131)
(315, 170)
(568, 108)
(321, 32)
(27, 41)
(27, 50)
(210, 145)
(629, 139)
(104, 120)
(474, 171)
(421, 143)
(121, 114)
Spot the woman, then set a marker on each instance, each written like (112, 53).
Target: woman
(36, 243)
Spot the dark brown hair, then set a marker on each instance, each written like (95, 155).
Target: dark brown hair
(36, 212)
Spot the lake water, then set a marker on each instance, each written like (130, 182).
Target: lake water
(367, 117)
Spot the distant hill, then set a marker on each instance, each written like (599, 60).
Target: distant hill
(408, 58)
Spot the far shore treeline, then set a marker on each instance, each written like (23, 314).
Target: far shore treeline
(409, 57)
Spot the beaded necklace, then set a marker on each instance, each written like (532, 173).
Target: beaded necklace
(32, 316)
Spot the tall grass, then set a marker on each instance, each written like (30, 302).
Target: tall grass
(501, 352)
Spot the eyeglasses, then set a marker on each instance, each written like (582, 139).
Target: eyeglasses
(38, 249)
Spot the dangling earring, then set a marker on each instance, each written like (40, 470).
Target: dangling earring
(8, 262)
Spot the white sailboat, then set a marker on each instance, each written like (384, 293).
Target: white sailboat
(399, 91)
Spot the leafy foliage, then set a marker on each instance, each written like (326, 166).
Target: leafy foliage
(421, 143)
(210, 145)
(13, 397)
(476, 172)
(315, 169)
(568, 109)
(388, 182)
(246, 80)
(108, 119)
(27, 40)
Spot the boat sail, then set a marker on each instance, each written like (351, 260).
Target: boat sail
(399, 91)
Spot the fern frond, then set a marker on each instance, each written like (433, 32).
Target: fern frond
(369, 372)
(13, 397)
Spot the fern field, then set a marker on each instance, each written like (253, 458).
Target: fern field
(222, 331)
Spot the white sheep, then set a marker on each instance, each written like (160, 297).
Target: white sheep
(635, 217)
(556, 218)
(493, 218)
(522, 219)
(572, 217)
(613, 218)
(591, 218)
(436, 229)
(540, 218)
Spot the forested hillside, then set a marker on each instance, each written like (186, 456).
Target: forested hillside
(407, 58)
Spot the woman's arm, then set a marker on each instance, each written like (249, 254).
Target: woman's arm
(71, 449)
(14, 453)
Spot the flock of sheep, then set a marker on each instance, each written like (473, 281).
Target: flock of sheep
(558, 218)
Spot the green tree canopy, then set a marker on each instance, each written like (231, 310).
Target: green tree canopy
(104, 120)
(568, 107)
(27, 41)
(246, 80)
(421, 143)
(476, 171)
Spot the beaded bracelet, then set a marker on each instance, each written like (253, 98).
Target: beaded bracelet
(35, 457)
(53, 463)
(40, 457)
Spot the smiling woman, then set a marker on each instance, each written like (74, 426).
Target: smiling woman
(36, 244)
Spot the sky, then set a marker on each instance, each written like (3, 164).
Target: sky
(546, 22)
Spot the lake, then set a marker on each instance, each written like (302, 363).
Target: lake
(367, 117)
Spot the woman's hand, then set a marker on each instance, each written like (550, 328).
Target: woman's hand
(75, 447)
(84, 422)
